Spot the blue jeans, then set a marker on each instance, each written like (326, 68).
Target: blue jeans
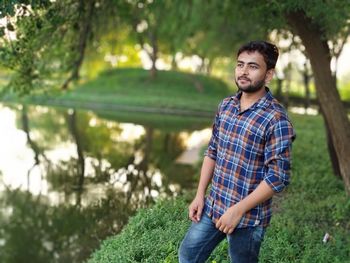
(203, 237)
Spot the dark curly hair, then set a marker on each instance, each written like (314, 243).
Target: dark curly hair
(267, 50)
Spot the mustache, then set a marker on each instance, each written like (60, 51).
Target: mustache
(243, 78)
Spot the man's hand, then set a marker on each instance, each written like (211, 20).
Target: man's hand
(229, 220)
(195, 209)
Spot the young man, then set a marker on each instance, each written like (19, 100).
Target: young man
(247, 161)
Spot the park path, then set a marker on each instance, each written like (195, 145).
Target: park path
(196, 143)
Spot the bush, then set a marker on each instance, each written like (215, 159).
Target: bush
(153, 235)
(314, 204)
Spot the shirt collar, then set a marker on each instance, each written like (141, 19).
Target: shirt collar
(261, 103)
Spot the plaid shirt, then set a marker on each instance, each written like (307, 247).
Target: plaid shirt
(248, 147)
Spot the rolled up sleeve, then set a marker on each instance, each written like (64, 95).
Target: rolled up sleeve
(211, 151)
(278, 154)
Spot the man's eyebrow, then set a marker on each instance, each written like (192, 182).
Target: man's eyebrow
(249, 63)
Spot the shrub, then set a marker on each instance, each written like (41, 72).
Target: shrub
(153, 235)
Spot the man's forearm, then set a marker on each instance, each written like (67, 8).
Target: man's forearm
(262, 193)
(231, 218)
(206, 175)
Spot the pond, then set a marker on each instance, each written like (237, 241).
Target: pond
(70, 178)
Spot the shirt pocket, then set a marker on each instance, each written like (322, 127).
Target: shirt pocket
(253, 144)
(226, 133)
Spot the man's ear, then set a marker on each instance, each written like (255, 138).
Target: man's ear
(269, 75)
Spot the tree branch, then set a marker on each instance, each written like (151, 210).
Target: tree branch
(83, 39)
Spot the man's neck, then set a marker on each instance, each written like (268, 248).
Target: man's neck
(248, 99)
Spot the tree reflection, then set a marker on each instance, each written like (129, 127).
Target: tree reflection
(36, 150)
(35, 231)
(91, 192)
(72, 127)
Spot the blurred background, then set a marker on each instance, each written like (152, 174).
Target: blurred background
(107, 105)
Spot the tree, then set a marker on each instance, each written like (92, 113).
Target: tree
(317, 23)
(157, 25)
(48, 40)
(332, 108)
(216, 29)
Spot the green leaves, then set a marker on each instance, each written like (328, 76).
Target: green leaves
(2, 31)
(8, 7)
(51, 34)
(44, 50)
(153, 235)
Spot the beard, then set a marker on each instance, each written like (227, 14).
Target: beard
(253, 87)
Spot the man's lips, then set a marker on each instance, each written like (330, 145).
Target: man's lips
(243, 79)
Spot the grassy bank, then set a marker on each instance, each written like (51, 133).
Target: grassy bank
(314, 204)
(132, 89)
(170, 89)
(173, 100)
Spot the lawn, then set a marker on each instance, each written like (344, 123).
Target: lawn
(173, 100)
(132, 90)
(170, 89)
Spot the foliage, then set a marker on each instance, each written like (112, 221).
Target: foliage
(49, 34)
(219, 27)
(38, 49)
(148, 22)
(314, 204)
(113, 50)
(44, 42)
(151, 236)
(344, 91)
(54, 37)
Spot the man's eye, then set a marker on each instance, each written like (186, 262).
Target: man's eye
(253, 67)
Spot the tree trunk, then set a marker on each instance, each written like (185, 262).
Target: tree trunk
(72, 124)
(84, 35)
(332, 108)
(32, 144)
(332, 153)
(286, 93)
(209, 66)
(174, 63)
(306, 78)
(154, 54)
(279, 89)
(287, 82)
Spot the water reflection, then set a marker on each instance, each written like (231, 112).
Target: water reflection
(70, 178)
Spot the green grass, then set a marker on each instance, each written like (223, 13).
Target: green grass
(133, 87)
(314, 203)
(172, 100)
(170, 89)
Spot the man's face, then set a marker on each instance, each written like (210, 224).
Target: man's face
(251, 73)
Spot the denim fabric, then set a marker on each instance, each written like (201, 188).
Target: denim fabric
(202, 238)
